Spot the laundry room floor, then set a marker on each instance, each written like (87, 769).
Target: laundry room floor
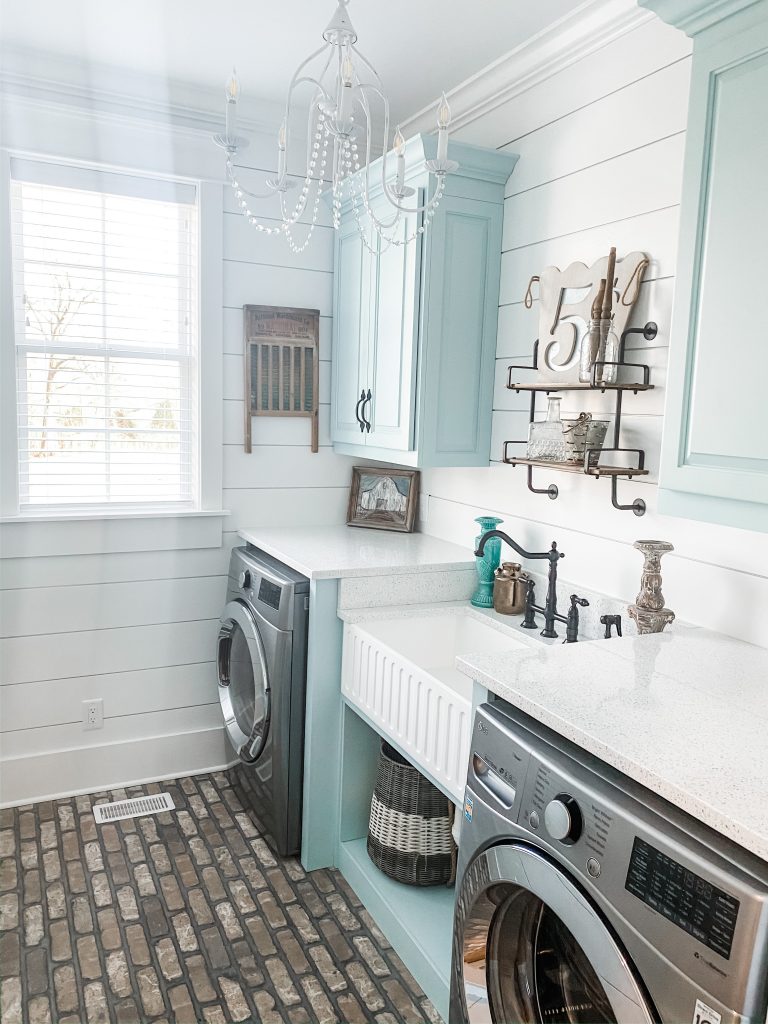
(186, 916)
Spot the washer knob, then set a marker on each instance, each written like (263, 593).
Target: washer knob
(244, 580)
(562, 819)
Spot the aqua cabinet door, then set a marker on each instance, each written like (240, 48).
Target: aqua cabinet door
(714, 462)
(394, 336)
(351, 329)
(423, 315)
(458, 332)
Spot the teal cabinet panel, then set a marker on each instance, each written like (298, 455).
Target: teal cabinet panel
(462, 289)
(714, 461)
(393, 338)
(351, 312)
(428, 347)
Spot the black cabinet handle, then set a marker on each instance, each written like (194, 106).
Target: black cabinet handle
(367, 399)
(360, 421)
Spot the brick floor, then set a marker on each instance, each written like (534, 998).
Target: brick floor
(185, 917)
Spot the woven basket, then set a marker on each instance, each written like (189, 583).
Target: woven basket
(409, 833)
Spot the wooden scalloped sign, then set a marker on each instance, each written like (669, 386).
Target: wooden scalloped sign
(565, 304)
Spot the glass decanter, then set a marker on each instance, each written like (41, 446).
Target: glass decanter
(545, 438)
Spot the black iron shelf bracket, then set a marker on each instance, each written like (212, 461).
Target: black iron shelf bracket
(638, 506)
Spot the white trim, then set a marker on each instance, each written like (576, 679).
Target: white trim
(9, 440)
(695, 16)
(33, 537)
(589, 28)
(210, 347)
(120, 94)
(56, 775)
(97, 515)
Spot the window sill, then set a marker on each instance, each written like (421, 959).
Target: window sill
(103, 532)
(96, 515)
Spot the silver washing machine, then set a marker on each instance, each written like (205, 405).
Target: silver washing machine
(262, 666)
(582, 897)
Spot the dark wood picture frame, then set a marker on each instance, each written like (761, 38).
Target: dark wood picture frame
(282, 365)
(383, 505)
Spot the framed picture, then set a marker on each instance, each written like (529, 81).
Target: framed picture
(383, 499)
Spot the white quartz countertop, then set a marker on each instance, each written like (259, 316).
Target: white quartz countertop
(684, 713)
(333, 552)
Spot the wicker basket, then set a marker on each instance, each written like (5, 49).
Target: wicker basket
(409, 833)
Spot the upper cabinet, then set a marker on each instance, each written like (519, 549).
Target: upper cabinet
(414, 325)
(714, 462)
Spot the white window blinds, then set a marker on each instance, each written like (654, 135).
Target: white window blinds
(106, 313)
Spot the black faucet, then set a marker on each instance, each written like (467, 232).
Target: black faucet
(549, 611)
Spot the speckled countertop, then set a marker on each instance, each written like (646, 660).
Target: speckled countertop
(335, 552)
(684, 713)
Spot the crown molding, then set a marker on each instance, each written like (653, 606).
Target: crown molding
(694, 16)
(106, 93)
(587, 29)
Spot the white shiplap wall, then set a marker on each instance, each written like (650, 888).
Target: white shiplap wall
(137, 628)
(601, 147)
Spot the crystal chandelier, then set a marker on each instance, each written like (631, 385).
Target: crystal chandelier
(346, 95)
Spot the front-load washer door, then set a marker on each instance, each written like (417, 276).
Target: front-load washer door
(529, 947)
(244, 689)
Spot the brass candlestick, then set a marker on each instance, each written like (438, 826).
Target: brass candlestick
(649, 612)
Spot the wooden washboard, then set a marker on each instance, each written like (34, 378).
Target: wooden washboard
(282, 354)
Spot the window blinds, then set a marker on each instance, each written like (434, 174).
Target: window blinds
(106, 313)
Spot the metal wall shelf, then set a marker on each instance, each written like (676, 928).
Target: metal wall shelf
(614, 473)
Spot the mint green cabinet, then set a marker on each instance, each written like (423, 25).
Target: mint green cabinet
(714, 462)
(415, 325)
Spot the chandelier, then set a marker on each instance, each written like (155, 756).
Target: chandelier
(346, 97)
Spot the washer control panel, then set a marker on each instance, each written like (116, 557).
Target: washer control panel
(566, 819)
(691, 902)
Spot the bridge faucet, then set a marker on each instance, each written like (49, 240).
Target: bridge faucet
(549, 611)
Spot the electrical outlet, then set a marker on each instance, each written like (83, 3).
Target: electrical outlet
(93, 714)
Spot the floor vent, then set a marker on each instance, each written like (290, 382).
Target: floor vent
(136, 808)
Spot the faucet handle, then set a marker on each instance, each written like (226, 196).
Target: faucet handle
(529, 622)
(572, 619)
(609, 621)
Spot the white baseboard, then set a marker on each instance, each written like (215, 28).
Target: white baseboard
(67, 773)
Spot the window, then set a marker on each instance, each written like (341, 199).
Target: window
(105, 286)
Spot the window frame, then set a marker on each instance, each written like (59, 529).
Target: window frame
(210, 227)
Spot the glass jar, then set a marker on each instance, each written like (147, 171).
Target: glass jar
(608, 371)
(545, 438)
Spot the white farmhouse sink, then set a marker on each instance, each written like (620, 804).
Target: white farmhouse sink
(433, 642)
(400, 672)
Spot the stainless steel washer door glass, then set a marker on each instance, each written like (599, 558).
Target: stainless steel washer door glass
(538, 972)
(243, 683)
(530, 947)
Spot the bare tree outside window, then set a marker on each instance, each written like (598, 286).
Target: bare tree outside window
(51, 320)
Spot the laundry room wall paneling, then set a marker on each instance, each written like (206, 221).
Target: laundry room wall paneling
(600, 146)
(138, 628)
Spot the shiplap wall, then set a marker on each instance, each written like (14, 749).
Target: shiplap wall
(138, 628)
(601, 147)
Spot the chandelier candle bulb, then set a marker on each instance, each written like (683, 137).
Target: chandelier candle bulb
(281, 141)
(232, 93)
(443, 123)
(400, 152)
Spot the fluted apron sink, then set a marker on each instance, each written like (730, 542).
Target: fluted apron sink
(401, 674)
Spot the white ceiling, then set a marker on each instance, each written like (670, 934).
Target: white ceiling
(419, 47)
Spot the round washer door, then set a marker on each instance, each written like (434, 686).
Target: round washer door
(243, 682)
(529, 947)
